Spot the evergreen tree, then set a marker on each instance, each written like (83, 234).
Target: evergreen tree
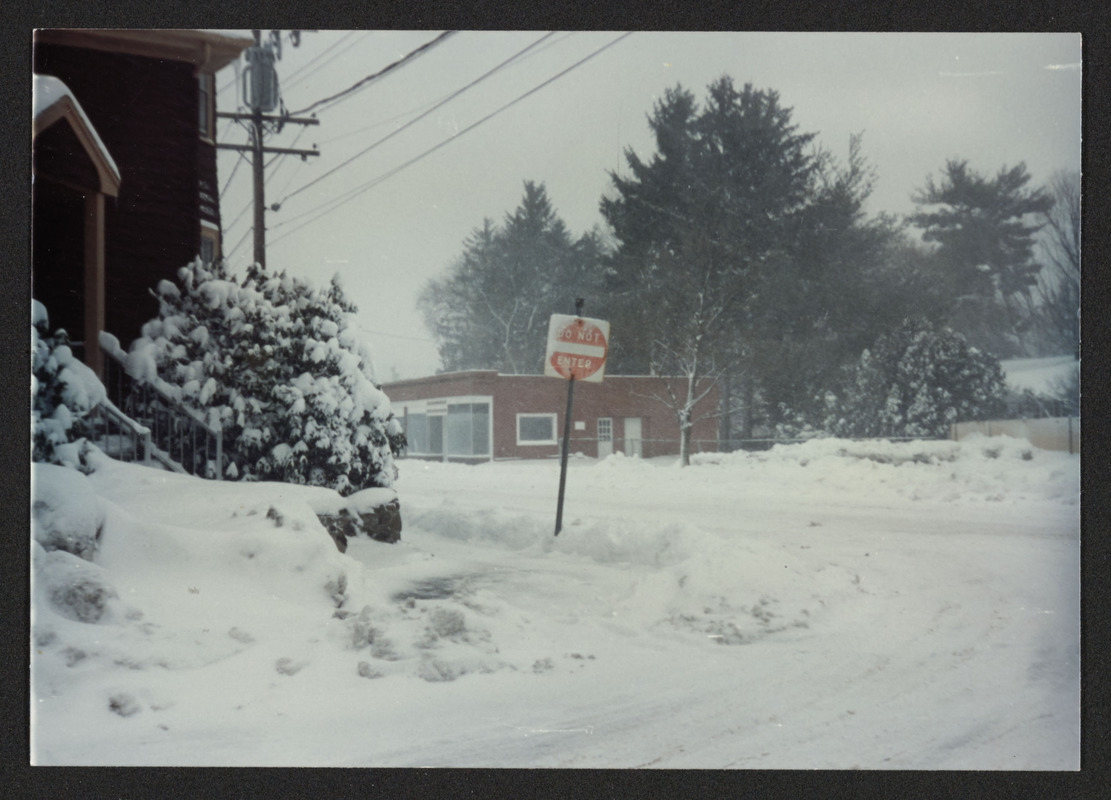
(491, 310)
(832, 294)
(698, 227)
(985, 243)
(63, 392)
(916, 381)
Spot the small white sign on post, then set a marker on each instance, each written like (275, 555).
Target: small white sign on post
(577, 348)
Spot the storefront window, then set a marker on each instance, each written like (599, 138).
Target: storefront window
(463, 431)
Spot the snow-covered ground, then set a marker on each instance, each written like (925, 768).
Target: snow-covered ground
(1044, 376)
(826, 605)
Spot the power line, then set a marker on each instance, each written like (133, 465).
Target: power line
(227, 183)
(413, 121)
(334, 52)
(424, 106)
(389, 68)
(352, 194)
(239, 216)
(242, 239)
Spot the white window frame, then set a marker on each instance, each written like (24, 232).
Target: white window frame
(437, 407)
(537, 442)
(206, 106)
(211, 234)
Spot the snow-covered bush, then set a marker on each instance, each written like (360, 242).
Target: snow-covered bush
(281, 368)
(916, 381)
(65, 512)
(63, 392)
(75, 588)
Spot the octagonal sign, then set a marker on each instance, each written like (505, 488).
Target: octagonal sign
(577, 348)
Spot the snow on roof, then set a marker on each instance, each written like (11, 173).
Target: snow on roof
(47, 91)
(231, 34)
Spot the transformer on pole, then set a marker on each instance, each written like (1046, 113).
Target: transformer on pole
(261, 95)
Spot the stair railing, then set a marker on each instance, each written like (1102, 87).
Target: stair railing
(106, 415)
(180, 437)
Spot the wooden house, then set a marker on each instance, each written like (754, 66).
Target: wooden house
(124, 164)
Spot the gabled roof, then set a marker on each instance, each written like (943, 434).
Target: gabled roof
(208, 50)
(54, 102)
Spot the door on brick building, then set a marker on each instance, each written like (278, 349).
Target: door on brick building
(633, 440)
(605, 436)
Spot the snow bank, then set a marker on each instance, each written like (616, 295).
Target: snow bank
(977, 469)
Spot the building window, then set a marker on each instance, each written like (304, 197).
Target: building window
(468, 429)
(210, 244)
(464, 431)
(605, 429)
(536, 429)
(206, 106)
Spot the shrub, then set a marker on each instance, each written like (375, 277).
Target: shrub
(916, 381)
(281, 368)
(63, 392)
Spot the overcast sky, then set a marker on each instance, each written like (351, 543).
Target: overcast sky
(919, 99)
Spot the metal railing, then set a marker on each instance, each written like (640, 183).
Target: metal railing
(179, 437)
(130, 441)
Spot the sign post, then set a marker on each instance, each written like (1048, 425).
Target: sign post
(576, 350)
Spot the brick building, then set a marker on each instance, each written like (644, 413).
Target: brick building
(481, 415)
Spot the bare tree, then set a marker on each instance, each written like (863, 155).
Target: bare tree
(1057, 309)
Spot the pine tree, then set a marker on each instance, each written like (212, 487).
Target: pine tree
(698, 227)
(491, 310)
(984, 233)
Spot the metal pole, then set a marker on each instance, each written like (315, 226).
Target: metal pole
(566, 436)
(563, 458)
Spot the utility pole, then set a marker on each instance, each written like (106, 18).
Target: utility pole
(260, 92)
(259, 176)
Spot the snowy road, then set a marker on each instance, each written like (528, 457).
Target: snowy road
(955, 648)
(901, 607)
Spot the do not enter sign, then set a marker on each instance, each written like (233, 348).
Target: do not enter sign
(576, 348)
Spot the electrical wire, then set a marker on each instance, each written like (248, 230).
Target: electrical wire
(239, 216)
(424, 48)
(335, 203)
(227, 183)
(242, 239)
(332, 53)
(420, 108)
(415, 120)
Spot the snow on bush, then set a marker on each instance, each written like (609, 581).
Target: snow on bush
(63, 392)
(74, 588)
(281, 367)
(65, 512)
(916, 381)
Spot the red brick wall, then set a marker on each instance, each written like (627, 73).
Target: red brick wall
(617, 397)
